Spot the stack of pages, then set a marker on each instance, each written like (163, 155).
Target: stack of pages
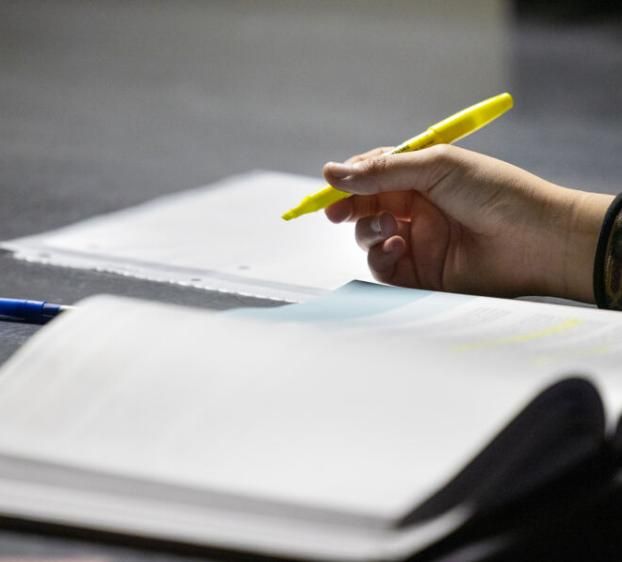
(363, 425)
(227, 236)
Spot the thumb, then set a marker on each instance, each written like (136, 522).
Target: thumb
(419, 171)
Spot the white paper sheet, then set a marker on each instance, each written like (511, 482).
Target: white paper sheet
(227, 236)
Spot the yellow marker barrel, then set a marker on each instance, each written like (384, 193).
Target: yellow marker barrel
(446, 131)
(472, 118)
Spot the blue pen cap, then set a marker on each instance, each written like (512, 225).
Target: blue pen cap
(36, 312)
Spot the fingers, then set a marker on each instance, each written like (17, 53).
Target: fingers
(354, 208)
(340, 211)
(369, 154)
(384, 240)
(370, 231)
(420, 171)
(359, 206)
(384, 258)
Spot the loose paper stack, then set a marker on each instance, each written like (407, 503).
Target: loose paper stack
(227, 236)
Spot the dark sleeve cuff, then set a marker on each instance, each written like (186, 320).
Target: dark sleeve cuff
(608, 259)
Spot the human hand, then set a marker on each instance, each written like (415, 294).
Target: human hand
(449, 219)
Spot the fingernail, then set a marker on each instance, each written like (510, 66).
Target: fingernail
(341, 170)
(389, 248)
(339, 212)
(376, 225)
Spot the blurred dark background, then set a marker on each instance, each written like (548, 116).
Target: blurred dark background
(569, 11)
(104, 104)
(107, 103)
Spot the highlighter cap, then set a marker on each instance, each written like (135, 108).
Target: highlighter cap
(472, 118)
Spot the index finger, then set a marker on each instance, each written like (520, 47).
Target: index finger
(420, 171)
(379, 151)
(359, 206)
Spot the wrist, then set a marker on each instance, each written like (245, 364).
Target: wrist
(579, 238)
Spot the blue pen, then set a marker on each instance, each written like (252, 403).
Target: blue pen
(32, 312)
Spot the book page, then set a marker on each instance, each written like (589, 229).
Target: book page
(227, 236)
(353, 408)
(367, 421)
(523, 338)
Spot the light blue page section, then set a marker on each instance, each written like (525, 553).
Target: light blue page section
(356, 301)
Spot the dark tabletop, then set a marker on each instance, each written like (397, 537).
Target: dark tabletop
(107, 104)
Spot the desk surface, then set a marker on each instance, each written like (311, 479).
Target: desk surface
(107, 104)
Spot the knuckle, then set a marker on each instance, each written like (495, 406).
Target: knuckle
(444, 159)
(375, 166)
(356, 158)
(362, 233)
(443, 153)
(374, 152)
(378, 269)
(365, 155)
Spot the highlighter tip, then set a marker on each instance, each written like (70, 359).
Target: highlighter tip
(289, 215)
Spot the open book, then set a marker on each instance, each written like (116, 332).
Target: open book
(364, 425)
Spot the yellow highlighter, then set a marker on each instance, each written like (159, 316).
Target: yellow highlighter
(448, 130)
